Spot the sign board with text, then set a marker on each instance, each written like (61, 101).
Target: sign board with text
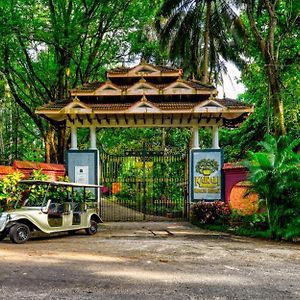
(83, 167)
(206, 174)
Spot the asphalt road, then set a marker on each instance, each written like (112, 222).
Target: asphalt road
(146, 260)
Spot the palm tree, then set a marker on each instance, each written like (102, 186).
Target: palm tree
(274, 173)
(201, 35)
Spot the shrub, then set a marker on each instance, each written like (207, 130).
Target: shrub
(256, 221)
(10, 191)
(274, 174)
(216, 212)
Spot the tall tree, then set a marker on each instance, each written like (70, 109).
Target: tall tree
(50, 46)
(270, 23)
(201, 35)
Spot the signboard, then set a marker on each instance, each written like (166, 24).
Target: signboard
(82, 174)
(206, 174)
(83, 167)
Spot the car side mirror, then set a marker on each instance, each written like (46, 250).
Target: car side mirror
(46, 207)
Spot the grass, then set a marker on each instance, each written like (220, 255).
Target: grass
(242, 230)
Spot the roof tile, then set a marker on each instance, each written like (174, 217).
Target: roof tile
(232, 103)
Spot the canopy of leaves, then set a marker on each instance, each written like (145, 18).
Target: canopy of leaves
(274, 174)
(189, 29)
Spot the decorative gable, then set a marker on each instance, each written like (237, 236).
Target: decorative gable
(76, 107)
(142, 88)
(178, 88)
(143, 106)
(144, 70)
(108, 89)
(209, 106)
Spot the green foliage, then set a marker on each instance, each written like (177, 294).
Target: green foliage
(256, 221)
(48, 47)
(274, 174)
(286, 58)
(36, 193)
(10, 191)
(194, 31)
(13, 194)
(118, 140)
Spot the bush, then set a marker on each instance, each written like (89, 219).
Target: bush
(10, 191)
(274, 173)
(216, 212)
(255, 221)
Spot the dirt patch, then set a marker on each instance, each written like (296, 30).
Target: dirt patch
(147, 260)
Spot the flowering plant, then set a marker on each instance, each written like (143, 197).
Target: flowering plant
(216, 212)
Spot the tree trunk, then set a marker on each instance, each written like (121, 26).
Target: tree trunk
(49, 139)
(273, 77)
(55, 144)
(206, 43)
(61, 144)
(266, 47)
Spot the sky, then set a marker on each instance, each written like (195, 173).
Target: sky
(231, 87)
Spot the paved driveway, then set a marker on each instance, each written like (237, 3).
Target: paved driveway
(147, 260)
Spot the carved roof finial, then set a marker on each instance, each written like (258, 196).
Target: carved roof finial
(211, 97)
(180, 72)
(143, 80)
(76, 99)
(144, 99)
(143, 61)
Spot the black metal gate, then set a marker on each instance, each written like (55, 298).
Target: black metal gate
(144, 185)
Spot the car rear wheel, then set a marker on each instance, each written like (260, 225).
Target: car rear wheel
(92, 229)
(19, 233)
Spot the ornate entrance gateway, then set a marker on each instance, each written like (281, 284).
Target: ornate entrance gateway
(144, 185)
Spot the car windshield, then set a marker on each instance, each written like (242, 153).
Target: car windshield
(33, 195)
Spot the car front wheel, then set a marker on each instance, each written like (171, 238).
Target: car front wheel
(92, 229)
(19, 233)
(3, 235)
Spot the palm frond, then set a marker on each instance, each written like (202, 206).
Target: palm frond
(181, 27)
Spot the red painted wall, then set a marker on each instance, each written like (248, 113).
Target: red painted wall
(26, 167)
(5, 170)
(233, 174)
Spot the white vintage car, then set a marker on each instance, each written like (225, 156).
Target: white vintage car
(54, 207)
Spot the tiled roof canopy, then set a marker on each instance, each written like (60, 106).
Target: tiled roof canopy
(146, 96)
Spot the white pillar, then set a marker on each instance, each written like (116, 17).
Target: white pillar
(93, 138)
(195, 144)
(74, 138)
(215, 137)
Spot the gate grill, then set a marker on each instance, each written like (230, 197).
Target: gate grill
(144, 185)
